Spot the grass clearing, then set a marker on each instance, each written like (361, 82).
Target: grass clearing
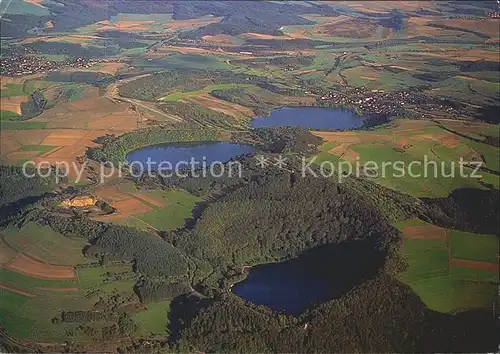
(97, 276)
(154, 319)
(173, 97)
(467, 245)
(179, 205)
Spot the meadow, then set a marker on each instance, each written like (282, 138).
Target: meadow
(448, 269)
(159, 210)
(437, 151)
(34, 300)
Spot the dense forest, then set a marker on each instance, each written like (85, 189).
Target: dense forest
(366, 319)
(71, 49)
(25, 186)
(271, 215)
(153, 87)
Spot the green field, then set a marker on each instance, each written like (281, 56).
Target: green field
(180, 95)
(27, 125)
(448, 288)
(8, 116)
(179, 205)
(19, 7)
(46, 244)
(154, 319)
(452, 293)
(32, 284)
(424, 167)
(41, 148)
(17, 325)
(12, 90)
(466, 245)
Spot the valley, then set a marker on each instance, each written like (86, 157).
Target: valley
(101, 257)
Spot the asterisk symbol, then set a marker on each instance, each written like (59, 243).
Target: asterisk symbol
(262, 161)
(280, 161)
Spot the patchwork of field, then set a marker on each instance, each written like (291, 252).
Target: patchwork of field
(43, 273)
(450, 270)
(148, 23)
(155, 210)
(63, 133)
(421, 158)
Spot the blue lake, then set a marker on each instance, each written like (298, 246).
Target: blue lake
(310, 117)
(315, 276)
(284, 288)
(209, 152)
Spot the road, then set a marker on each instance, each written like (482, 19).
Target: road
(113, 94)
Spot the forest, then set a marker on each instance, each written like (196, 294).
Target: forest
(272, 215)
(25, 186)
(153, 87)
(72, 49)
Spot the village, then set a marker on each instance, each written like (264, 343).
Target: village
(30, 64)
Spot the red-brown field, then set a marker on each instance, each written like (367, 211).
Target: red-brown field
(92, 112)
(33, 267)
(450, 141)
(110, 194)
(352, 137)
(424, 232)
(232, 109)
(13, 104)
(348, 27)
(16, 290)
(131, 206)
(219, 39)
(110, 68)
(466, 263)
(149, 199)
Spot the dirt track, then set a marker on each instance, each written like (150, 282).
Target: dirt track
(112, 93)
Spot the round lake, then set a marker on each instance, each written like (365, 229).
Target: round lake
(175, 154)
(284, 288)
(310, 117)
(315, 276)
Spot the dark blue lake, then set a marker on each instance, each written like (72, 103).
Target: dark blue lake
(210, 151)
(310, 117)
(284, 288)
(315, 276)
